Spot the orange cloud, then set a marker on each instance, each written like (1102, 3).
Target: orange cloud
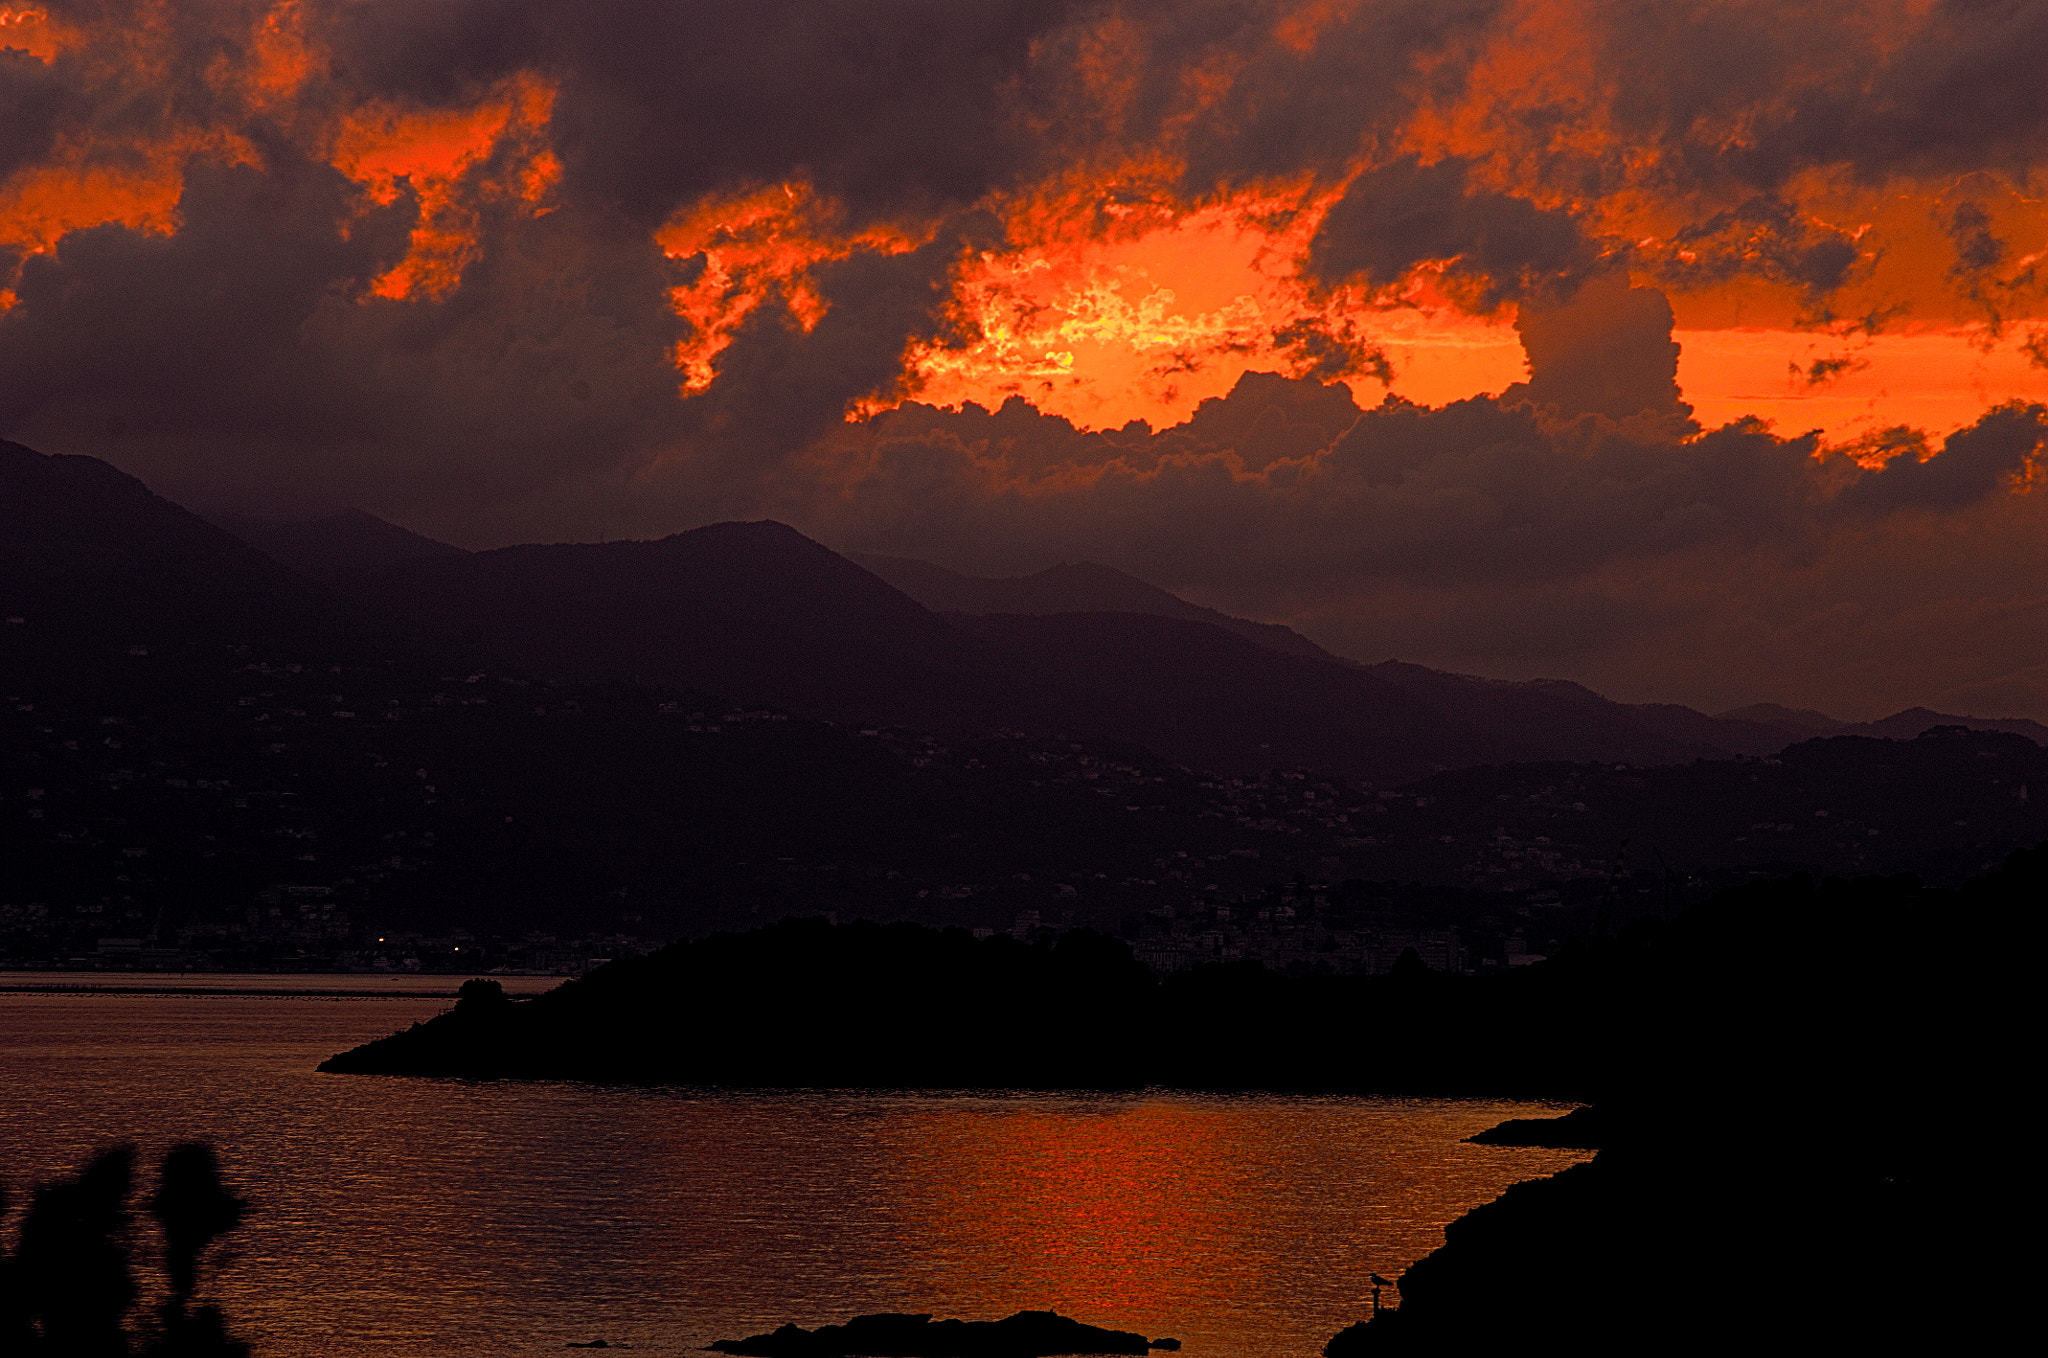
(754, 246)
(87, 184)
(32, 30)
(452, 161)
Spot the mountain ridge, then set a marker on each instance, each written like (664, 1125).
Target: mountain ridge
(1070, 587)
(759, 613)
(754, 611)
(1528, 718)
(331, 548)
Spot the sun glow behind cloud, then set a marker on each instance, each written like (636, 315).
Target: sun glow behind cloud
(514, 268)
(1108, 297)
(1104, 310)
(30, 29)
(1146, 320)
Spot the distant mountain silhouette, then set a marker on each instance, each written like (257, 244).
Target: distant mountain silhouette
(1556, 719)
(239, 729)
(1909, 724)
(1077, 587)
(762, 614)
(1801, 723)
(335, 547)
(1209, 698)
(104, 573)
(1801, 719)
(106, 576)
(753, 611)
(1535, 719)
(759, 613)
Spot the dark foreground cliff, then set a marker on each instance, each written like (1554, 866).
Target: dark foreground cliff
(1825, 1155)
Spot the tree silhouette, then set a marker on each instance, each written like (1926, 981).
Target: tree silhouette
(194, 1209)
(67, 1289)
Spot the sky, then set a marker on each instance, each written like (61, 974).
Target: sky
(1694, 351)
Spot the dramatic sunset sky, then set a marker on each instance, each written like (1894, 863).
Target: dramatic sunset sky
(1687, 349)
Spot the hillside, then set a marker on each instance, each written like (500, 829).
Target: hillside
(335, 547)
(1079, 587)
(1800, 723)
(1209, 698)
(1538, 719)
(195, 733)
(90, 558)
(1554, 719)
(753, 611)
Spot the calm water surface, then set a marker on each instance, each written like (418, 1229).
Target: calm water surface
(465, 1218)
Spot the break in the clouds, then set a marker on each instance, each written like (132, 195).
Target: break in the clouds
(514, 269)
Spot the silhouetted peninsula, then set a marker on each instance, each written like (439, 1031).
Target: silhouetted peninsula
(1027, 1334)
(808, 1003)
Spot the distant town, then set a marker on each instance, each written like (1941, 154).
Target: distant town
(302, 930)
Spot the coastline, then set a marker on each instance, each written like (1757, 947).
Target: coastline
(277, 985)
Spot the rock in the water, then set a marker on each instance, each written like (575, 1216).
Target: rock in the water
(1027, 1334)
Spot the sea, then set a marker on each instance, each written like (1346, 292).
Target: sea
(457, 1217)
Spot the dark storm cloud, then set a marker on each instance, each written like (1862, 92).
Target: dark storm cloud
(779, 388)
(242, 360)
(199, 331)
(904, 112)
(1248, 90)
(1404, 213)
(1475, 490)
(30, 96)
(1505, 540)
(239, 360)
(892, 107)
(1608, 351)
(1977, 249)
(1751, 94)
(1766, 238)
(233, 363)
(1719, 105)
(1965, 94)
(1974, 463)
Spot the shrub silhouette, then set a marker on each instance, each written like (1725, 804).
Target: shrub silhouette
(68, 1288)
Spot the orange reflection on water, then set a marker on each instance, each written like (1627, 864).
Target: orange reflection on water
(1135, 1213)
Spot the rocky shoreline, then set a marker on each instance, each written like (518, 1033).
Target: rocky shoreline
(1814, 1162)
